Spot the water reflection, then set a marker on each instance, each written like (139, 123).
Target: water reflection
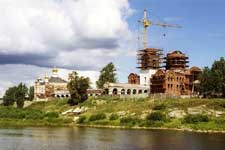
(104, 139)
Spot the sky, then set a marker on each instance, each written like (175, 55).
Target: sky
(85, 35)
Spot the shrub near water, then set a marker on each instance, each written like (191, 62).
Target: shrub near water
(113, 117)
(156, 116)
(81, 119)
(99, 116)
(130, 121)
(196, 118)
(52, 115)
(30, 114)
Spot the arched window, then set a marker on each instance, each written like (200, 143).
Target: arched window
(140, 92)
(128, 91)
(115, 91)
(145, 91)
(134, 91)
(123, 91)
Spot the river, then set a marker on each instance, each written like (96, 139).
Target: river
(107, 139)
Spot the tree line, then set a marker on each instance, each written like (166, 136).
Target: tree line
(212, 80)
(18, 94)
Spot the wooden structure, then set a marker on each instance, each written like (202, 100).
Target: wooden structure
(149, 58)
(176, 60)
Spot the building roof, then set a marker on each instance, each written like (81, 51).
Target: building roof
(197, 69)
(56, 80)
(133, 74)
(176, 54)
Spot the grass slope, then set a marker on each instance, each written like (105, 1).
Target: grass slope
(38, 114)
(112, 111)
(155, 113)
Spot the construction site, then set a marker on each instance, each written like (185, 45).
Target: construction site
(159, 73)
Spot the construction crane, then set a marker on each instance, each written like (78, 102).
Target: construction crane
(146, 23)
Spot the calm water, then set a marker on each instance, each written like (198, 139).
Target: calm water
(104, 139)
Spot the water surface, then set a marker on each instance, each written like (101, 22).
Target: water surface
(106, 139)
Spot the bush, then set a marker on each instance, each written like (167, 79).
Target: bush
(156, 116)
(52, 115)
(99, 116)
(130, 121)
(159, 107)
(150, 123)
(113, 117)
(14, 113)
(81, 119)
(34, 114)
(196, 118)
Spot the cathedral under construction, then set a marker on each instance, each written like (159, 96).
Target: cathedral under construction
(171, 73)
(158, 73)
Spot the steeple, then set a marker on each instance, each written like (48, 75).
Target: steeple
(55, 72)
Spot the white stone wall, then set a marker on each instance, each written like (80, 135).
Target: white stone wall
(145, 76)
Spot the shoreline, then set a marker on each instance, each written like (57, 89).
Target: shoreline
(151, 128)
(71, 125)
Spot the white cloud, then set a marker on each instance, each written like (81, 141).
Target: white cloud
(71, 34)
(41, 32)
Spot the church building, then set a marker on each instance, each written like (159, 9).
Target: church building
(50, 87)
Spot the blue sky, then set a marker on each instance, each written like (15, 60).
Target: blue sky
(202, 37)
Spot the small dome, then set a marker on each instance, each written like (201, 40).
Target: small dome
(176, 54)
(55, 70)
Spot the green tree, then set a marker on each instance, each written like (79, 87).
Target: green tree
(9, 98)
(78, 88)
(212, 81)
(218, 72)
(107, 74)
(206, 82)
(20, 94)
(15, 94)
(31, 93)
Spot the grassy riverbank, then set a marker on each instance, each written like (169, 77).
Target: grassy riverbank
(181, 114)
(190, 114)
(39, 114)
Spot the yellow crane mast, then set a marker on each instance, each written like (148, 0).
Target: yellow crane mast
(146, 23)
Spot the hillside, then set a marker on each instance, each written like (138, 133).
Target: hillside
(197, 114)
(187, 114)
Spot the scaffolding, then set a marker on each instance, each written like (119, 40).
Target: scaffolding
(149, 58)
(176, 60)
